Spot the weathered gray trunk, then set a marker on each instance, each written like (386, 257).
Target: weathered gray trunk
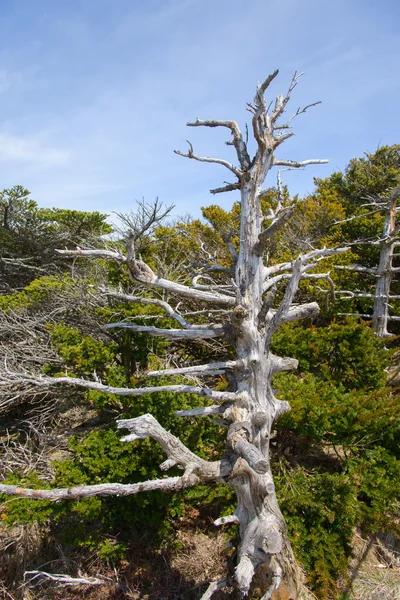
(384, 273)
(265, 550)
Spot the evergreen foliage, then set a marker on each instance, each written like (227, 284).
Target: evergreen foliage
(29, 236)
(338, 463)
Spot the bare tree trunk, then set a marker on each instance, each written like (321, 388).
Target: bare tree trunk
(384, 273)
(265, 548)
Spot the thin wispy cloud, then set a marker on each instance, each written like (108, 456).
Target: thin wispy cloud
(29, 151)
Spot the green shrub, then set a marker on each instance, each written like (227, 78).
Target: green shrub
(348, 353)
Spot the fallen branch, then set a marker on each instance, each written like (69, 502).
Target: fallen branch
(65, 579)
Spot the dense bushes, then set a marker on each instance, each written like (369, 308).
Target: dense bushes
(338, 463)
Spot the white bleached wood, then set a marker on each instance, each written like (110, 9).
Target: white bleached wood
(273, 281)
(171, 334)
(202, 411)
(185, 291)
(170, 463)
(276, 580)
(208, 159)
(281, 315)
(283, 364)
(350, 294)
(277, 224)
(385, 268)
(196, 469)
(229, 187)
(308, 261)
(152, 301)
(147, 426)
(197, 369)
(64, 579)
(295, 164)
(42, 381)
(92, 253)
(225, 520)
(367, 214)
(237, 142)
(365, 316)
(169, 484)
(141, 273)
(214, 586)
(297, 313)
(261, 121)
(358, 269)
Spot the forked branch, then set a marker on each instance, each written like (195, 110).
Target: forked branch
(142, 273)
(147, 426)
(196, 469)
(237, 141)
(64, 579)
(279, 221)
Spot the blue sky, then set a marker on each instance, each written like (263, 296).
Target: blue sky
(95, 94)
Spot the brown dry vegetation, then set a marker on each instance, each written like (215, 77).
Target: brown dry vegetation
(180, 572)
(375, 569)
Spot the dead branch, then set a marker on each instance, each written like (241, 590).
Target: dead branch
(237, 141)
(64, 579)
(170, 484)
(197, 369)
(202, 411)
(214, 586)
(9, 378)
(212, 331)
(147, 426)
(152, 301)
(229, 187)
(279, 221)
(207, 159)
(295, 164)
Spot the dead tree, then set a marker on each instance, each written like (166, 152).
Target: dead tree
(385, 271)
(248, 318)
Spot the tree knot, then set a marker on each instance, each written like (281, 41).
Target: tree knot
(139, 271)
